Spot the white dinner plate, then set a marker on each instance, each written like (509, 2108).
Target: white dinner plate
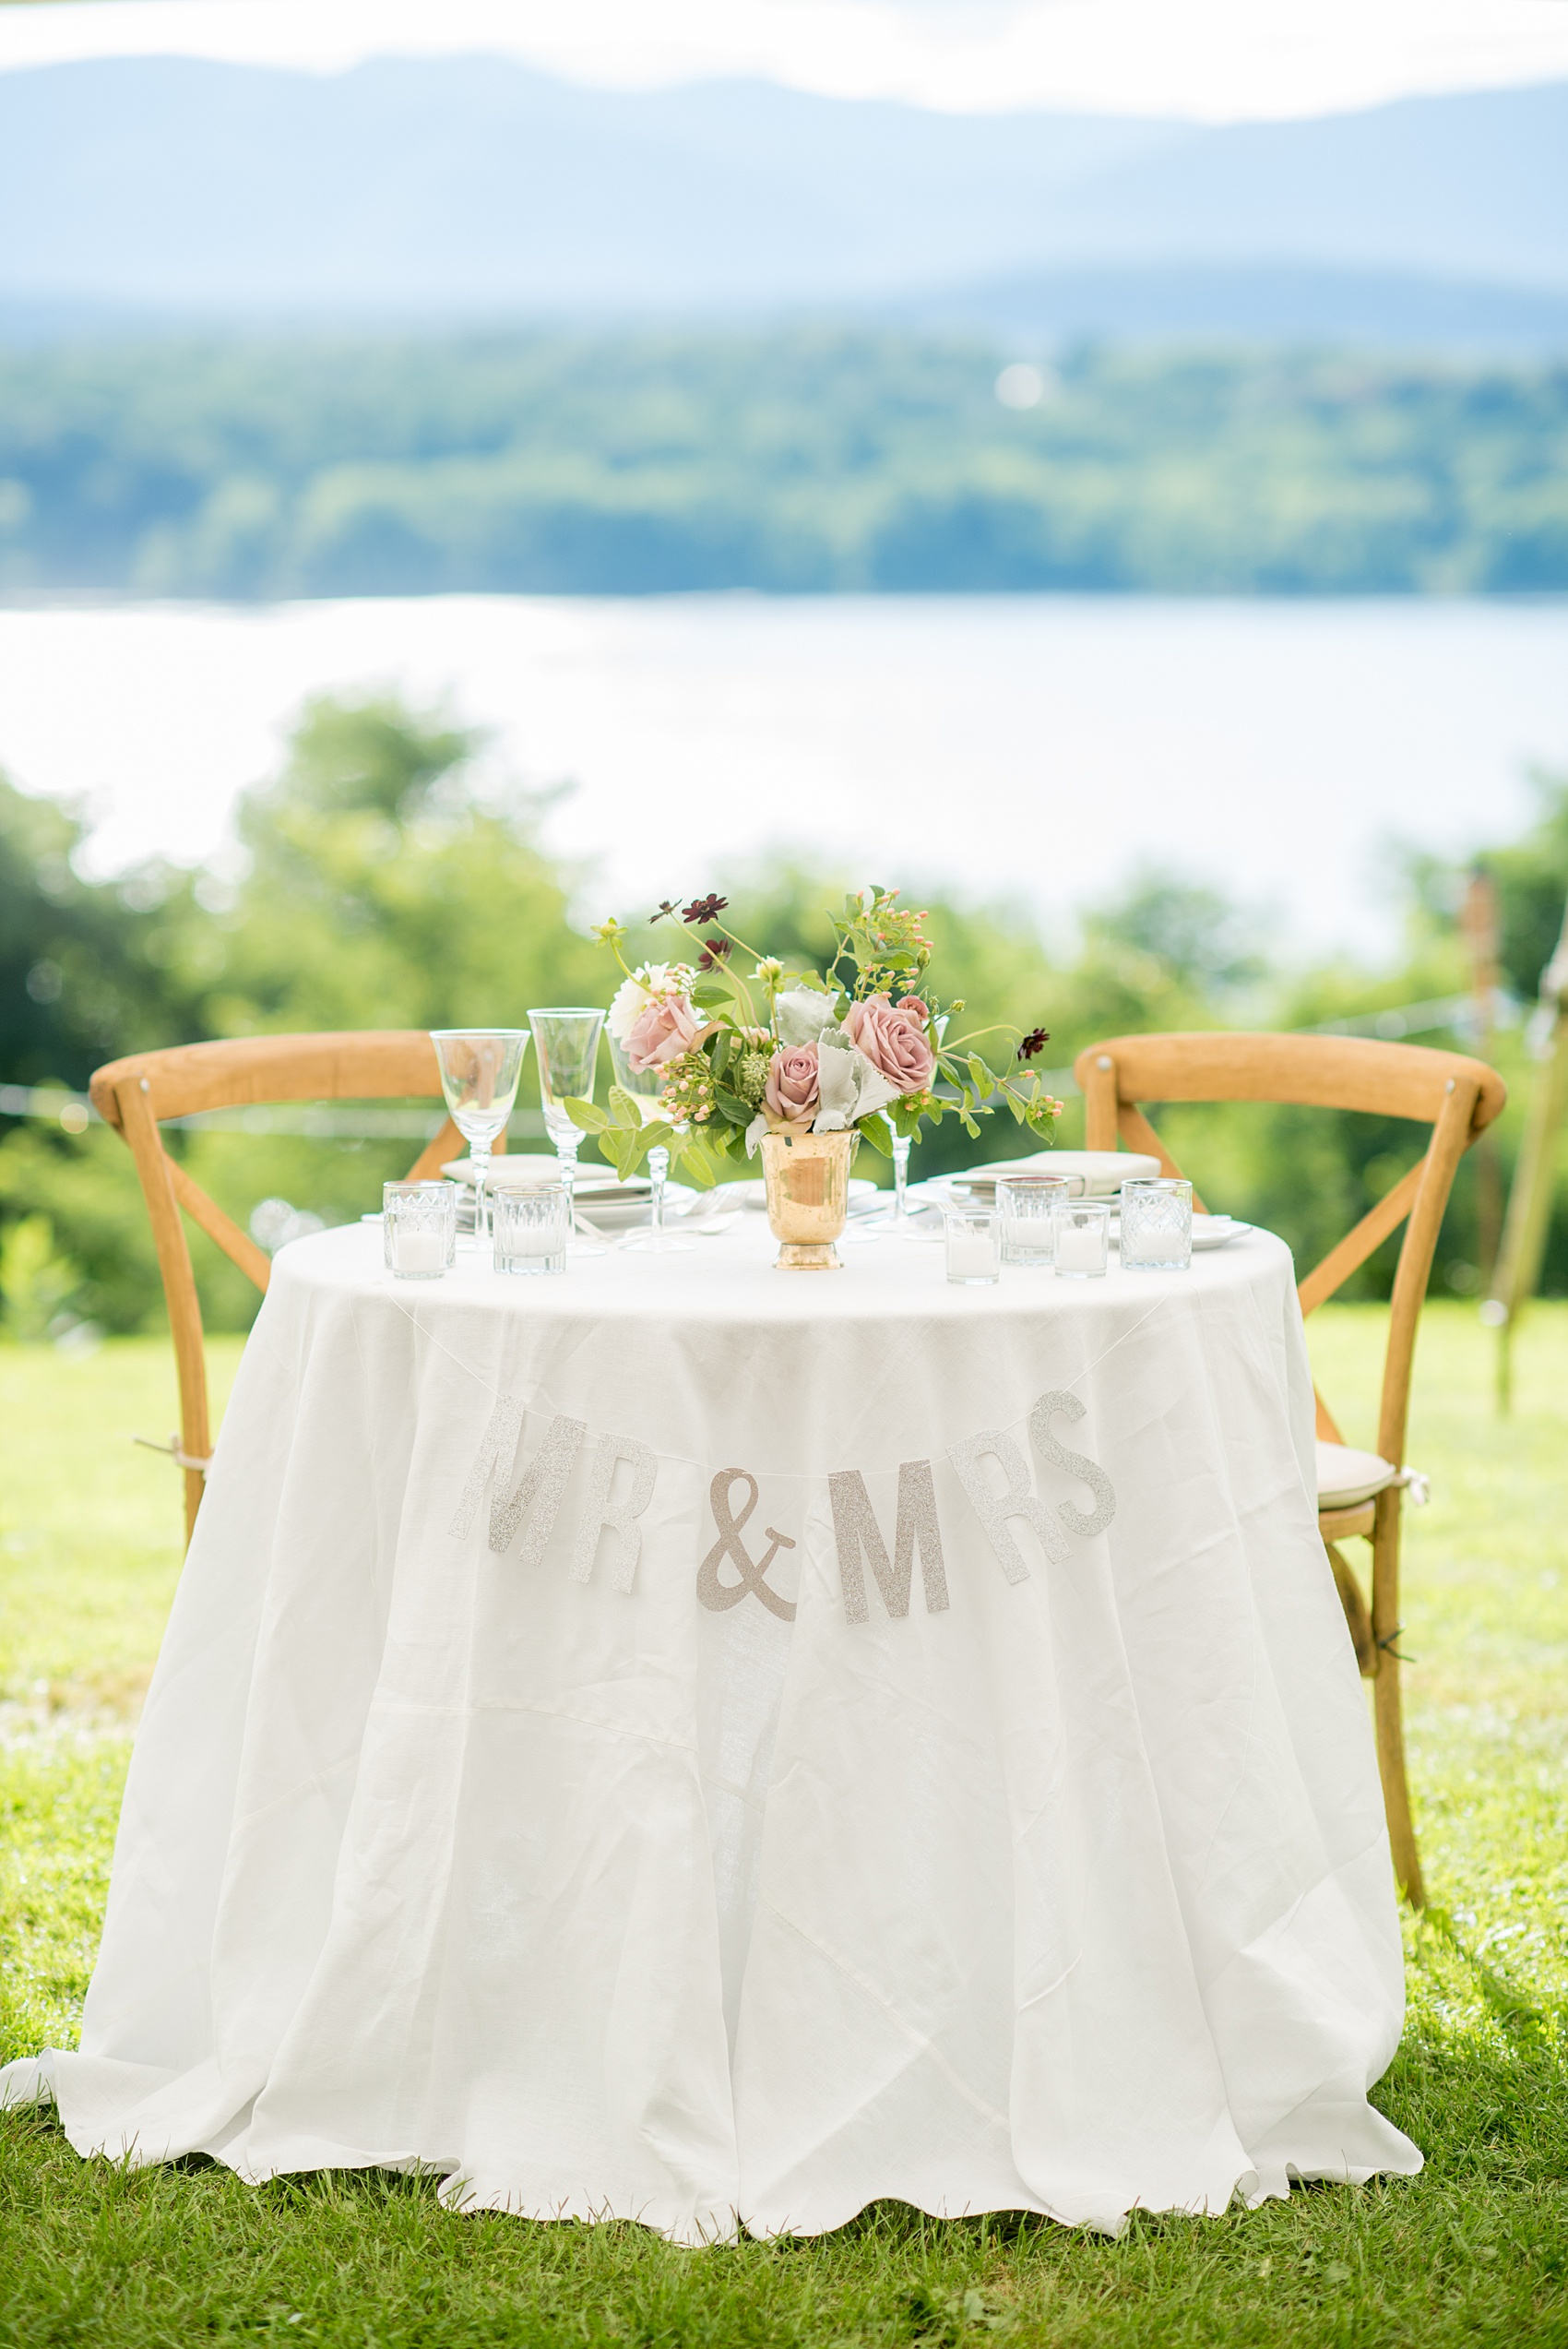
(1094, 1174)
(521, 1169)
(1213, 1230)
(619, 1212)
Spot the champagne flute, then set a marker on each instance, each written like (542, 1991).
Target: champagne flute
(646, 1085)
(479, 1069)
(566, 1040)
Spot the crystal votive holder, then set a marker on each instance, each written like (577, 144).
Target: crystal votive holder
(1157, 1224)
(1027, 1205)
(1082, 1238)
(531, 1227)
(419, 1229)
(974, 1245)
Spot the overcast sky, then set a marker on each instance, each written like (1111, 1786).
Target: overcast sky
(1217, 60)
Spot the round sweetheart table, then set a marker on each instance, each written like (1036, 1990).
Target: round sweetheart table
(687, 1743)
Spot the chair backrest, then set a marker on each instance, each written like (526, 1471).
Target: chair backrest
(1456, 1096)
(134, 1094)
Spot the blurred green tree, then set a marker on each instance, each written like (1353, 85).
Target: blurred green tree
(82, 972)
(381, 888)
(384, 888)
(1532, 888)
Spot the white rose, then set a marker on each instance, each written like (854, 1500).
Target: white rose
(628, 1003)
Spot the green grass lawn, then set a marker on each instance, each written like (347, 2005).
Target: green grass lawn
(1474, 2250)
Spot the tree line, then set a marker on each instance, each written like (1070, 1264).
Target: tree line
(800, 460)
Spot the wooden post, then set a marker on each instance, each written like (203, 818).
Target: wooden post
(1530, 1198)
(1477, 922)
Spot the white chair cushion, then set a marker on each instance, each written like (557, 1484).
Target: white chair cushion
(1346, 1477)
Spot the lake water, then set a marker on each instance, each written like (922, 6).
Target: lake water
(1032, 747)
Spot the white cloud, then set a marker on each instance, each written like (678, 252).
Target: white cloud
(1216, 60)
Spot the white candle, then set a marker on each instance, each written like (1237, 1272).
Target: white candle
(419, 1251)
(1080, 1247)
(971, 1256)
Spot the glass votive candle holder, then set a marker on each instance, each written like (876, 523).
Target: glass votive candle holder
(1027, 1205)
(974, 1245)
(532, 1225)
(1082, 1238)
(419, 1229)
(1157, 1224)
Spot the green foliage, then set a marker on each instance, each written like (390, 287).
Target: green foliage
(35, 1283)
(1474, 2249)
(802, 457)
(87, 1189)
(1532, 888)
(383, 891)
(83, 968)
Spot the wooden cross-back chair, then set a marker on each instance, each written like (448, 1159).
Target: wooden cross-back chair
(1456, 1096)
(135, 1094)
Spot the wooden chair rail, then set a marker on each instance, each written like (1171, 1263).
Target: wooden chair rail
(1314, 1072)
(137, 1094)
(1350, 1253)
(254, 1262)
(387, 1064)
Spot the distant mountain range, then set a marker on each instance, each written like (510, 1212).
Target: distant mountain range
(1256, 302)
(470, 188)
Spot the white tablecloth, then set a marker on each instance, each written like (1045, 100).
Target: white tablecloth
(674, 1873)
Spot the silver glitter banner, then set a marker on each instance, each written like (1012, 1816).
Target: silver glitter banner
(855, 1526)
(717, 1596)
(618, 1518)
(536, 1494)
(529, 1500)
(994, 1508)
(1087, 1471)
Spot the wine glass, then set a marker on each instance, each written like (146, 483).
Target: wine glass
(566, 1040)
(646, 1085)
(479, 1069)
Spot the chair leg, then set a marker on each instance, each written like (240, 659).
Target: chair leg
(1388, 1711)
(1357, 1616)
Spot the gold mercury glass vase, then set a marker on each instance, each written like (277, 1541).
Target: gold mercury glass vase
(807, 1177)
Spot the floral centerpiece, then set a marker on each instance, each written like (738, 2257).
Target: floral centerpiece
(755, 1056)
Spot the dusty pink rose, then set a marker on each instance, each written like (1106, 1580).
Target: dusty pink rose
(792, 1083)
(911, 1007)
(666, 1030)
(890, 1041)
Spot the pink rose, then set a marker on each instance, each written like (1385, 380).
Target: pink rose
(891, 1041)
(911, 1007)
(666, 1030)
(790, 1091)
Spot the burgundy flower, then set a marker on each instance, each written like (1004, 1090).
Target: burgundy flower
(704, 909)
(1036, 1040)
(713, 953)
